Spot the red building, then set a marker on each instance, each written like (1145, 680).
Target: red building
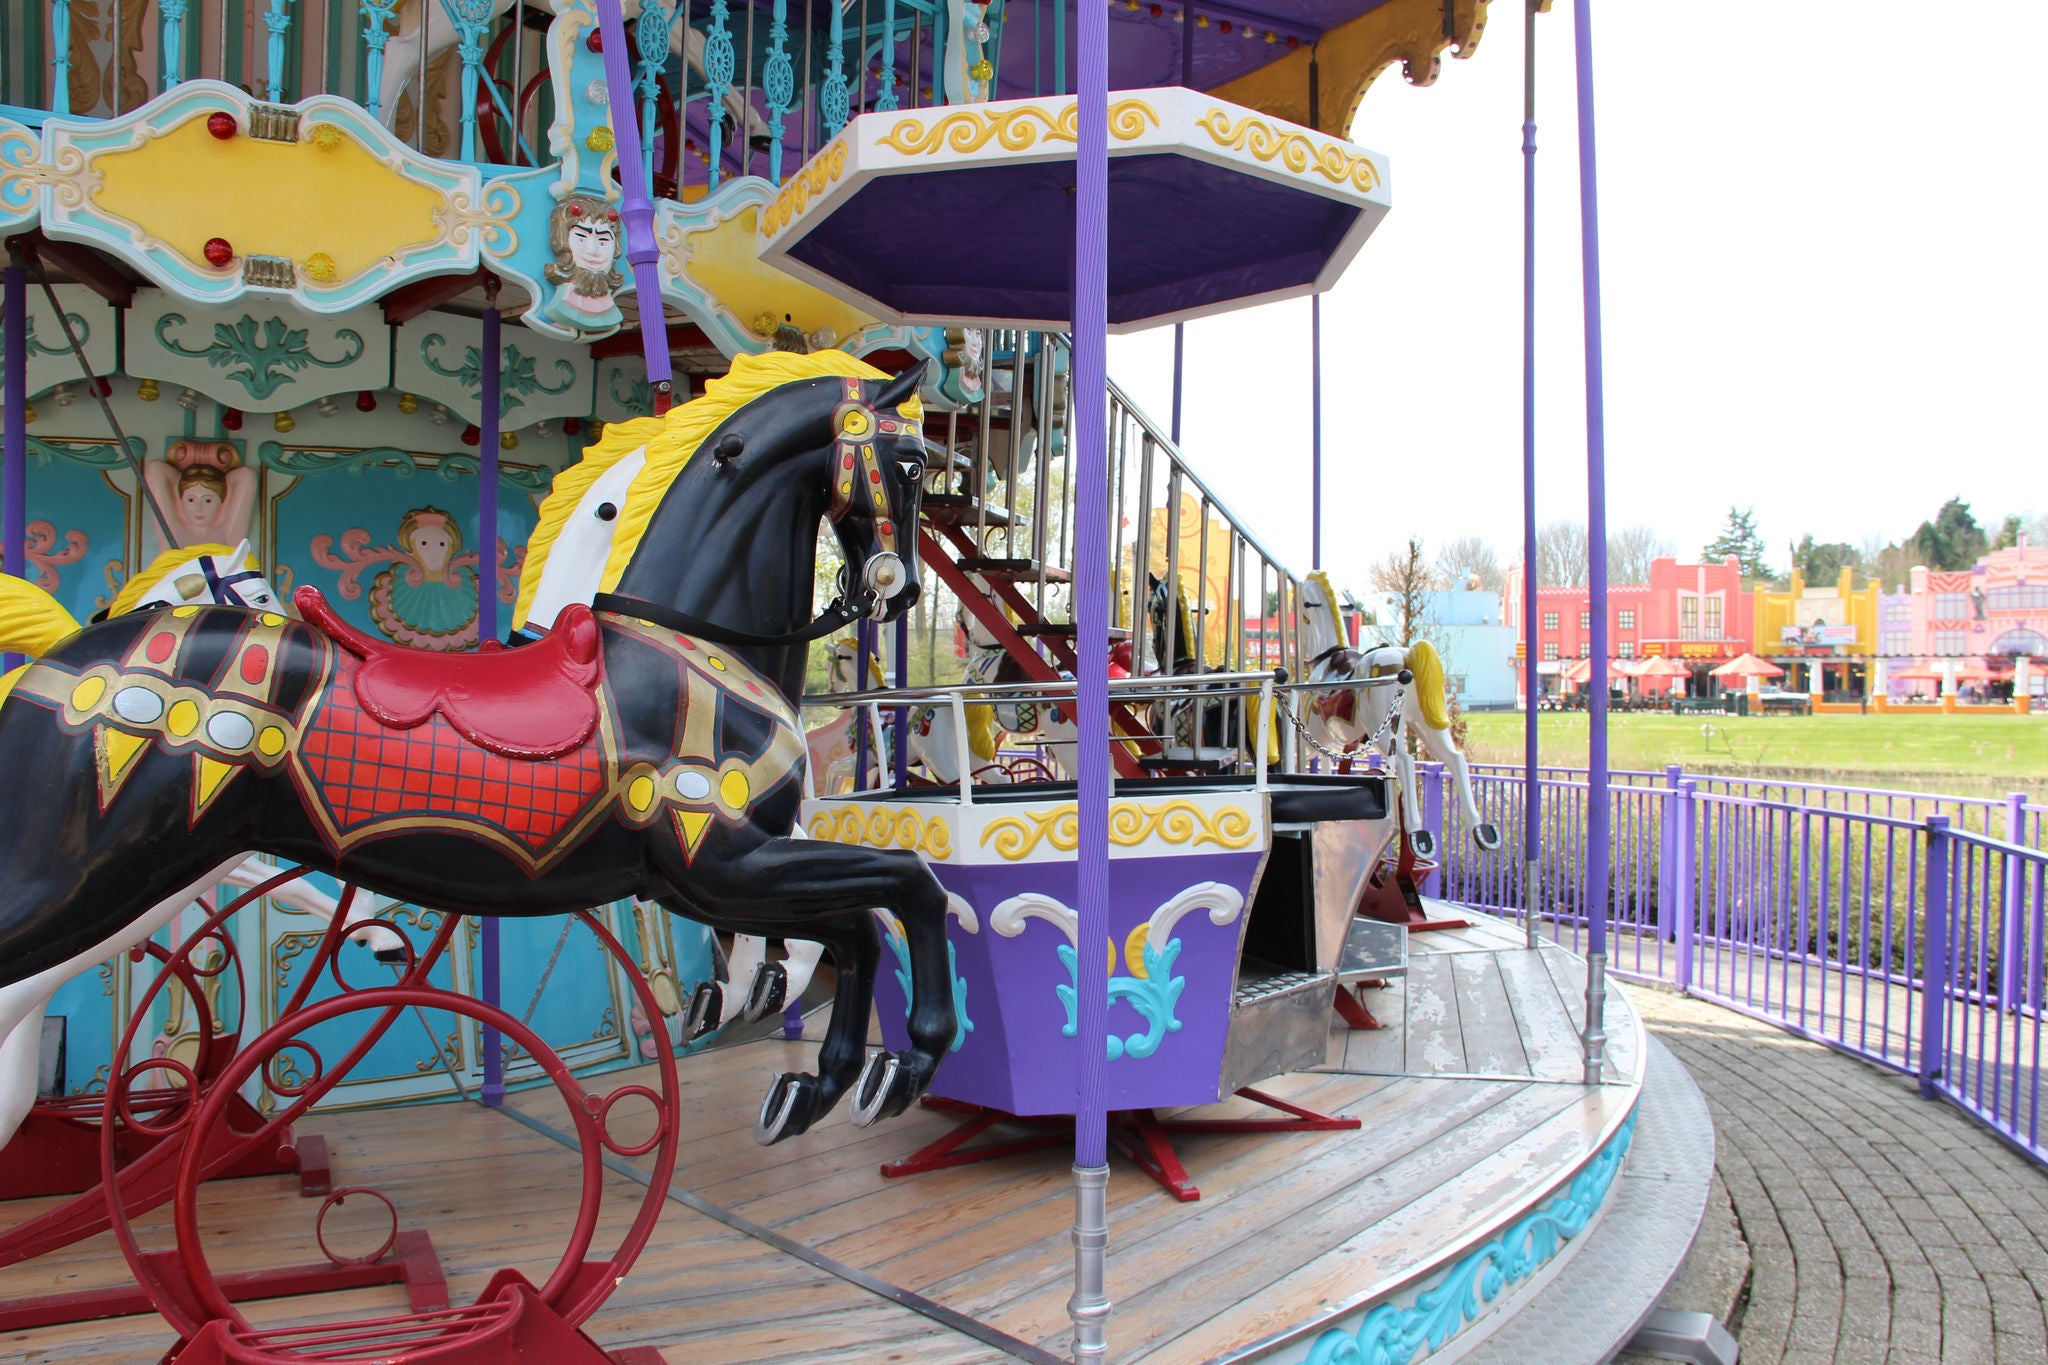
(1696, 613)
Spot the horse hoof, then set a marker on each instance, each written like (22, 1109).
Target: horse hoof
(765, 997)
(1423, 842)
(706, 1006)
(784, 1111)
(391, 957)
(876, 1088)
(1487, 836)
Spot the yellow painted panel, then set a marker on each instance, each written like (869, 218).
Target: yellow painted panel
(289, 199)
(723, 260)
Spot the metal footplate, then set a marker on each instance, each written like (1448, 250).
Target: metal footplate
(1373, 949)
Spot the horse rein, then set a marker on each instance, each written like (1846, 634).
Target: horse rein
(840, 614)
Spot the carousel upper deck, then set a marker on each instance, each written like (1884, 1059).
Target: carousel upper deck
(1475, 1135)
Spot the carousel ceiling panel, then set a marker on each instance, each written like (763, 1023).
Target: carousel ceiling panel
(50, 361)
(1253, 52)
(204, 191)
(258, 356)
(439, 356)
(965, 214)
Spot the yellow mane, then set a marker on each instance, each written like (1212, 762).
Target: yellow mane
(670, 442)
(131, 592)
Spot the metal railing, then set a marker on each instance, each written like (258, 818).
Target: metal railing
(1902, 927)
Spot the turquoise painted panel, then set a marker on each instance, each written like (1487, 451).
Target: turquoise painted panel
(391, 538)
(77, 523)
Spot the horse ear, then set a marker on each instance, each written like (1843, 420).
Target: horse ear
(898, 391)
(241, 558)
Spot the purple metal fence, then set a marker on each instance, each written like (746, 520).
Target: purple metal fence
(1868, 920)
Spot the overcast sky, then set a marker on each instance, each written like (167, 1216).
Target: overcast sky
(1825, 292)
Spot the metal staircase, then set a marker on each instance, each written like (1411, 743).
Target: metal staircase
(998, 541)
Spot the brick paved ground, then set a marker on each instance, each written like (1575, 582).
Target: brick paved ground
(1882, 1229)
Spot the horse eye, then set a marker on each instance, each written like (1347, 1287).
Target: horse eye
(911, 469)
(606, 511)
(154, 603)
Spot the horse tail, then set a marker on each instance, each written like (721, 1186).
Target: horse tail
(31, 622)
(981, 732)
(1429, 684)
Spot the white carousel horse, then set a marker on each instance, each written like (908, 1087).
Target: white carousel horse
(402, 59)
(1045, 724)
(1348, 719)
(32, 623)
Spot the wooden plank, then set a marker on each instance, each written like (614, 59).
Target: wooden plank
(1548, 1029)
(1385, 1251)
(1154, 1307)
(1435, 1040)
(1493, 1044)
(1380, 1049)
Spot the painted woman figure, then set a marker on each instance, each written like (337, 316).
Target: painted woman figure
(204, 492)
(583, 234)
(429, 599)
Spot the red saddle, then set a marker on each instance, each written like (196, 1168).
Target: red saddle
(536, 702)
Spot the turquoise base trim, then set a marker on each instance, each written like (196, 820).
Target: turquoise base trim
(1425, 1320)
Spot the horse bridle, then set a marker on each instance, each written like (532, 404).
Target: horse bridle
(222, 588)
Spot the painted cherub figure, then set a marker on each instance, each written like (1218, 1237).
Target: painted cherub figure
(204, 491)
(583, 234)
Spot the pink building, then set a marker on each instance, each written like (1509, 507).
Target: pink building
(1698, 614)
(1992, 616)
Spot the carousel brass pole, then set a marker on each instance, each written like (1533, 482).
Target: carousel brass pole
(14, 431)
(1532, 879)
(636, 210)
(1597, 797)
(1090, 1307)
(488, 393)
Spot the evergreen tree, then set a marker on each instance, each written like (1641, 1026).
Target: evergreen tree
(1821, 563)
(1740, 538)
(1953, 540)
(2009, 531)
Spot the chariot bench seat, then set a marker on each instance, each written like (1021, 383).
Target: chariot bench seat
(1231, 904)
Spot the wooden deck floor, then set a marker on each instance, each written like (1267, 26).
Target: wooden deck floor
(1467, 1104)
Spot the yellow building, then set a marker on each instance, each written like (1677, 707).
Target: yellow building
(1824, 638)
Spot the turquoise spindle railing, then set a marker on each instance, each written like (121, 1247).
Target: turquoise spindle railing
(778, 83)
(832, 96)
(173, 12)
(60, 43)
(375, 35)
(277, 22)
(472, 20)
(651, 38)
(718, 61)
(886, 97)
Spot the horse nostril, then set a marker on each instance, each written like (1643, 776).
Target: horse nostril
(606, 511)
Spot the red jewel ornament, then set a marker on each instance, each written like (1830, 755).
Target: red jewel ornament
(366, 401)
(595, 42)
(219, 251)
(1293, 43)
(572, 426)
(472, 436)
(1225, 26)
(575, 210)
(221, 125)
(230, 419)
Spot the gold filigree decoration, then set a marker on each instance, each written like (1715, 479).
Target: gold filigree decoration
(817, 175)
(882, 827)
(1131, 823)
(491, 221)
(1296, 151)
(72, 180)
(1018, 130)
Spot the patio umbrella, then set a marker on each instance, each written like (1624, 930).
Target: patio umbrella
(1579, 672)
(1747, 666)
(1657, 668)
(1976, 673)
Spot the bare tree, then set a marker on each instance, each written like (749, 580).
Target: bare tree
(1562, 560)
(1405, 575)
(1630, 551)
(1468, 558)
(1889, 563)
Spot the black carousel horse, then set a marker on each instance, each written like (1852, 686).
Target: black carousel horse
(648, 748)
(1209, 730)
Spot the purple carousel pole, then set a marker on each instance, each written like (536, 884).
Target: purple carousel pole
(14, 429)
(637, 210)
(489, 393)
(1597, 797)
(1089, 1307)
(1532, 877)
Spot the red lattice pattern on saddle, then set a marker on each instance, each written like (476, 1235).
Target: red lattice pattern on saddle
(366, 773)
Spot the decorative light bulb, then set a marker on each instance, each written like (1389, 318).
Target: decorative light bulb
(147, 391)
(408, 404)
(283, 422)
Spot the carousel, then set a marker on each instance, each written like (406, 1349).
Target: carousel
(789, 823)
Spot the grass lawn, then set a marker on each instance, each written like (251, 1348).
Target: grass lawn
(1967, 755)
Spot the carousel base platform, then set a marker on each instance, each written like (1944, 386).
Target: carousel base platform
(1482, 1174)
